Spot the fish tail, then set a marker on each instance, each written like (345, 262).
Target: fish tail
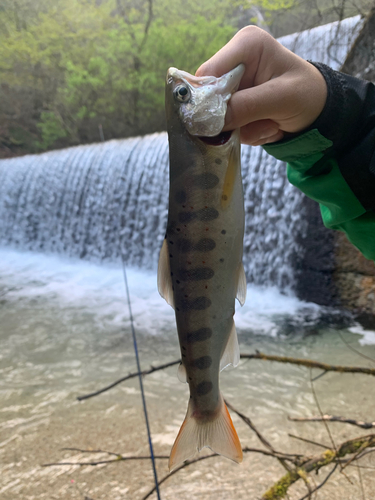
(217, 433)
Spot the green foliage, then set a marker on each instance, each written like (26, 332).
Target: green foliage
(51, 129)
(78, 64)
(103, 62)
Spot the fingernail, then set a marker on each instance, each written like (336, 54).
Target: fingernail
(268, 132)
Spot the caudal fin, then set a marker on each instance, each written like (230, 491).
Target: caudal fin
(218, 434)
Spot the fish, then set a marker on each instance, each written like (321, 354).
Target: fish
(200, 271)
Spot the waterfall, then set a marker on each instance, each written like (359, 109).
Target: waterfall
(102, 201)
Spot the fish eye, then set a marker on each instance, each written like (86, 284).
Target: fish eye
(182, 93)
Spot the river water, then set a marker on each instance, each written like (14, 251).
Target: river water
(64, 332)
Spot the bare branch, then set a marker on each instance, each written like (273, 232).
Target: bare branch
(321, 413)
(308, 441)
(321, 484)
(279, 489)
(262, 439)
(127, 377)
(310, 363)
(331, 418)
(119, 458)
(259, 355)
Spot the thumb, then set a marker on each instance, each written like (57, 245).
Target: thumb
(257, 103)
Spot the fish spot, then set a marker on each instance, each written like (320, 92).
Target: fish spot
(178, 282)
(221, 260)
(205, 245)
(183, 347)
(206, 214)
(186, 216)
(200, 303)
(171, 242)
(224, 197)
(180, 196)
(206, 180)
(184, 245)
(199, 335)
(218, 161)
(196, 274)
(202, 363)
(170, 255)
(223, 231)
(204, 388)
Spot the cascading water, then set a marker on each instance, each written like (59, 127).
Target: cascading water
(103, 200)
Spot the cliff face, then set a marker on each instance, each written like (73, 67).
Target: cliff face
(360, 61)
(354, 276)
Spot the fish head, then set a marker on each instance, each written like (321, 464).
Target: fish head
(199, 104)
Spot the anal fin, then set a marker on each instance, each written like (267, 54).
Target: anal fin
(181, 373)
(231, 354)
(241, 285)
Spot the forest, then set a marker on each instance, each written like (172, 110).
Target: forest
(80, 71)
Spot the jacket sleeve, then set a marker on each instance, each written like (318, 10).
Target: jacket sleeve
(333, 162)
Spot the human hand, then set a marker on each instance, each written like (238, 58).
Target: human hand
(279, 92)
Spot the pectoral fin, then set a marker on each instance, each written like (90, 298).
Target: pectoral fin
(241, 285)
(164, 275)
(231, 355)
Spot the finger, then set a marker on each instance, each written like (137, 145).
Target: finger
(275, 100)
(275, 138)
(245, 47)
(258, 131)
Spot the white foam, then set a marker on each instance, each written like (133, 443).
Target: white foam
(368, 335)
(100, 291)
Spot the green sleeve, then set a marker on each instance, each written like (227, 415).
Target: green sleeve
(312, 167)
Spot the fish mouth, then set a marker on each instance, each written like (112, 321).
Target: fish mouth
(217, 140)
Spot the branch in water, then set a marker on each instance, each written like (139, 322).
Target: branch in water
(308, 363)
(119, 458)
(279, 490)
(262, 439)
(331, 418)
(127, 377)
(259, 355)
